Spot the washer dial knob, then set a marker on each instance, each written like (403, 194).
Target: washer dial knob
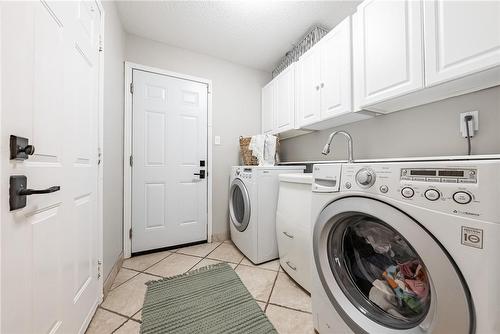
(365, 177)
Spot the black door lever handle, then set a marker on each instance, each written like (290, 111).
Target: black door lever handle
(27, 192)
(19, 190)
(201, 174)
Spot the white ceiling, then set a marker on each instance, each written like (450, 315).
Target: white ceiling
(252, 33)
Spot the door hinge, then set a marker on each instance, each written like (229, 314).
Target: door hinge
(101, 48)
(99, 156)
(131, 88)
(99, 269)
(130, 233)
(131, 161)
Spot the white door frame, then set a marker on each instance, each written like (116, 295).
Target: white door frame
(100, 152)
(127, 149)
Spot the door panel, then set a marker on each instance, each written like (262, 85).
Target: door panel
(454, 49)
(49, 248)
(390, 39)
(309, 87)
(268, 109)
(285, 99)
(169, 202)
(336, 96)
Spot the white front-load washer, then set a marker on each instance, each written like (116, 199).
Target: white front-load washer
(407, 247)
(253, 196)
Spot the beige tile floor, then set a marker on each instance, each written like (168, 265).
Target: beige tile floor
(286, 304)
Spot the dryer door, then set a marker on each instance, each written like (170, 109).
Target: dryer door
(384, 273)
(239, 205)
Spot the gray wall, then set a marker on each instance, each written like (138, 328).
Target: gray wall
(114, 55)
(236, 94)
(428, 130)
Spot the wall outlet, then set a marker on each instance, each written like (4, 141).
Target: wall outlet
(217, 140)
(473, 124)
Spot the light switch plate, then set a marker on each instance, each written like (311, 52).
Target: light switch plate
(217, 140)
(473, 124)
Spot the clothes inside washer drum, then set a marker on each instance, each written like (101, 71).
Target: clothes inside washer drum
(386, 269)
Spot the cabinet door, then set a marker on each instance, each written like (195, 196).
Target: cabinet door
(336, 89)
(284, 99)
(308, 72)
(268, 108)
(390, 43)
(461, 37)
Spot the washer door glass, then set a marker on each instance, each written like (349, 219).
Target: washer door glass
(381, 273)
(239, 207)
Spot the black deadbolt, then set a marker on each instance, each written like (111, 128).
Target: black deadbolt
(20, 149)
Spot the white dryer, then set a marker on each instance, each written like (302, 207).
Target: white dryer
(407, 247)
(253, 196)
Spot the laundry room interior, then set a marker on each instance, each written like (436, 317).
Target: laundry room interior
(247, 166)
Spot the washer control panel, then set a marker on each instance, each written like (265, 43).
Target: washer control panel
(465, 188)
(445, 175)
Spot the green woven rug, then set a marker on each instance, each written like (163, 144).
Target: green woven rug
(211, 299)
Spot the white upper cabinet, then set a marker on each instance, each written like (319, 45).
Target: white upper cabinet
(461, 37)
(336, 71)
(324, 75)
(390, 49)
(268, 108)
(308, 87)
(284, 100)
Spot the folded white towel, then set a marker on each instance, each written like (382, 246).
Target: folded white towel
(264, 148)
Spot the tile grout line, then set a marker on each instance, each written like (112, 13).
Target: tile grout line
(203, 258)
(272, 289)
(127, 318)
(136, 273)
(290, 308)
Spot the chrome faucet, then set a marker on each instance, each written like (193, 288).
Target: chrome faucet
(326, 149)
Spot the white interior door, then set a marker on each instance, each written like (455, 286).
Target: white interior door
(169, 201)
(49, 251)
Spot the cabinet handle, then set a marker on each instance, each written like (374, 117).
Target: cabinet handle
(288, 235)
(317, 87)
(291, 266)
(322, 84)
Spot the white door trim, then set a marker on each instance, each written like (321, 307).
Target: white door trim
(127, 149)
